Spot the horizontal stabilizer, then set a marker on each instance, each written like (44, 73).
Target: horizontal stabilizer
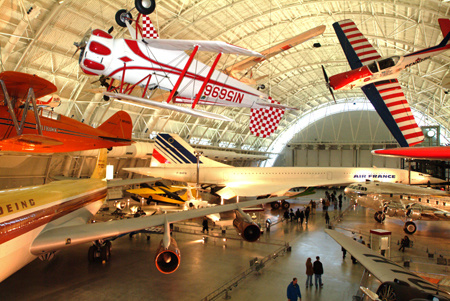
(147, 103)
(213, 46)
(275, 105)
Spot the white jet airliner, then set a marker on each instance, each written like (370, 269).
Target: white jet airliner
(175, 159)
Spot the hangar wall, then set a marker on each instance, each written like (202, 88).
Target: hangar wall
(341, 140)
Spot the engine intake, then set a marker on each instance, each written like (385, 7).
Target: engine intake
(168, 260)
(413, 214)
(249, 231)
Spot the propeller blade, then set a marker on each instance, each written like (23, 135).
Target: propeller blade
(327, 80)
(325, 74)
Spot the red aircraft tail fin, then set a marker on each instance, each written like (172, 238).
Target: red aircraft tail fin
(445, 28)
(117, 127)
(263, 122)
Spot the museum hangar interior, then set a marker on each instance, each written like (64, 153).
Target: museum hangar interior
(37, 37)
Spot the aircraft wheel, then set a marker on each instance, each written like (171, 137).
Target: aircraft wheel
(410, 227)
(105, 252)
(121, 16)
(91, 253)
(386, 292)
(379, 216)
(145, 7)
(285, 205)
(275, 205)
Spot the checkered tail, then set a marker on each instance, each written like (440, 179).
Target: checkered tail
(263, 122)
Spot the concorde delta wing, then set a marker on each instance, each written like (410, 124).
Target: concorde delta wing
(62, 237)
(385, 270)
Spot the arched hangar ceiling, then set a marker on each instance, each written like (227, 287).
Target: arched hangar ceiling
(40, 41)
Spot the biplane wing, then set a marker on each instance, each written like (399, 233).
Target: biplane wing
(32, 139)
(18, 85)
(212, 46)
(148, 103)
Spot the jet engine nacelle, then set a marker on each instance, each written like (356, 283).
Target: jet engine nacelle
(413, 214)
(168, 260)
(249, 231)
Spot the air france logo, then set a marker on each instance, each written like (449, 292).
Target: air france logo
(374, 176)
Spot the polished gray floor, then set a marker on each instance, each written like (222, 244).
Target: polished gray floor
(206, 266)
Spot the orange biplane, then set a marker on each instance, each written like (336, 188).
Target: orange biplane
(24, 127)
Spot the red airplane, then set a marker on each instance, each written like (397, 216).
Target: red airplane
(377, 78)
(24, 127)
(426, 153)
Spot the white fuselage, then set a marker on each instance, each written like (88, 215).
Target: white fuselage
(396, 199)
(26, 212)
(133, 61)
(276, 180)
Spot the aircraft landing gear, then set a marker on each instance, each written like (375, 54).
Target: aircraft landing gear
(379, 216)
(410, 228)
(100, 251)
(121, 16)
(386, 292)
(145, 7)
(149, 199)
(285, 204)
(275, 205)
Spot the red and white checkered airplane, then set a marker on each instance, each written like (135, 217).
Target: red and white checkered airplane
(377, 78)
(149, 62)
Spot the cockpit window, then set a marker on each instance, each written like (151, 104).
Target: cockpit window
(389, 62)
(373, 67)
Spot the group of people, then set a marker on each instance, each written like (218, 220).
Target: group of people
(316, 269)
(330, 198)
(298, 216)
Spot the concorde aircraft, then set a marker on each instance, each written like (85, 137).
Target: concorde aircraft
(403, 201)
(37, 221)
(397, 283)
(176, 160)
(377, 78)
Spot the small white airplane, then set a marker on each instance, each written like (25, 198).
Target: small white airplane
(174, 159)
(397, 283)
(377, 78)
(152, 63)
(403, 201)
(38, 221)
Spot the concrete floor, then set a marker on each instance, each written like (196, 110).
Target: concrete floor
(206, 266)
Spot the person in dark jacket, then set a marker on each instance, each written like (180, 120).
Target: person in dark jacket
(302, 216)
(297, 214)
(205, 225)
(327, 218)
(293, 291)
(318, 271)
(307, 210)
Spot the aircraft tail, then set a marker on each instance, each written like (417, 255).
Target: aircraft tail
(263, 122)
(148, 30)
(445, 28)
(118, 127)
(171, 150)
(100, 168)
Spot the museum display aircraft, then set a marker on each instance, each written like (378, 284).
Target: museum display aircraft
(26, 127)
(397, 283)
(174, 159)
(377, 78)
(424, 153)
(160, 193)
(153, 63)
(403, 201)
(250, 63)
(37, 221)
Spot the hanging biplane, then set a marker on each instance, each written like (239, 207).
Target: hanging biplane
(151, 63)
(377, 78)
(26, 127)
